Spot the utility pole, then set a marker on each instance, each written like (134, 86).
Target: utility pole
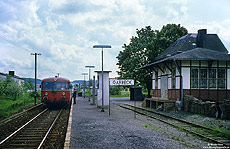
(89, 79)
(84, 74)
(93, 90)
(35, 86)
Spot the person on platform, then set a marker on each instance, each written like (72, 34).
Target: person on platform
(74, 96)
(218, 110)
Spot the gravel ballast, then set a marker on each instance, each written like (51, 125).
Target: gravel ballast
(92, 128)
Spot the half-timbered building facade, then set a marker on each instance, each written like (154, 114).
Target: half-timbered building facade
(196, 64)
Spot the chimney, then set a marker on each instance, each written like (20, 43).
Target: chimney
(11, 73)
(200, 37)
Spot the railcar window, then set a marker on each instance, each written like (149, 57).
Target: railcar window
(60, 85)
(70, 85)
(49, 85)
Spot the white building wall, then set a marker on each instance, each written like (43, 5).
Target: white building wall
(159, 83)
(228, 78)
(153, 84)
(169, 83)
(186, 78)
(2, 76)
(159, 78)
(153, 81)
(177, 79)
(105, 88)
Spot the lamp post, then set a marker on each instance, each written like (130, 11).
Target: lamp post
(89, 78)
(102, 46)
(35, 88)
(84, 74)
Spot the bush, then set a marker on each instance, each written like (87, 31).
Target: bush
(38, 95)
(115, 90)
(2, 88)
(27, 86)
(13, 90)
(9, 106)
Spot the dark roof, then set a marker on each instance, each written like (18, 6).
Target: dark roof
(182, 44)
(201, 54)
(185, 48)
(17, 77)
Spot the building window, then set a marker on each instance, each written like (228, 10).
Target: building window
(173, 79)
(194, 78)
(156, 80)
(221, 78)
(212, 78)
(208, 78)
(203, 75)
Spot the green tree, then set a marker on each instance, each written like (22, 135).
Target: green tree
(27, 86)
(142, 50)
(115, 90)
(14, 90)
(2, 89)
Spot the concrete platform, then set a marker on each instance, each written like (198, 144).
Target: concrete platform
(92, 128)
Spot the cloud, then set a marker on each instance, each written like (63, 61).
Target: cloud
(65, 31)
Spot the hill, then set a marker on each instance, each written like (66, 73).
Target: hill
(32, 80)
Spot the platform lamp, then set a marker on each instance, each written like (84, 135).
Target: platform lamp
(89, 78)
(84, 74)
(102, 47)
(35, 88)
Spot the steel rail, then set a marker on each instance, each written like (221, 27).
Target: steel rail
(126, 106)
(47, 133)
(7, 138)
(171, 117)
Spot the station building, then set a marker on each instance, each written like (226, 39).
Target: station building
(196, 64)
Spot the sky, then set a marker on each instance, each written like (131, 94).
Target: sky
(64, 31)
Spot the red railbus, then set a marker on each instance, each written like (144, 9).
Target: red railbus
(56, 90)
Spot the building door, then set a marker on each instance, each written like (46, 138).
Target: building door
(164, 86)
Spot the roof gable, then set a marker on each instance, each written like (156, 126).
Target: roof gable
(199, 46)
(190, 41)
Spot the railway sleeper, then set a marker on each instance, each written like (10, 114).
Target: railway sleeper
(37, 129)
(34, 132)
(31, 137)
(22, 146)
(25, 141)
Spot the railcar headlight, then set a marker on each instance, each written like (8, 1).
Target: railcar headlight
(46, 93)
(63, 93)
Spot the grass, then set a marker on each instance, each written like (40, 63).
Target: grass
(154, 128)
(216, 132)
(123, 94)
(177, 139)
(8, 106)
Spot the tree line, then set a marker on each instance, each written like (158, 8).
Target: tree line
(10, 88)
(142, 50)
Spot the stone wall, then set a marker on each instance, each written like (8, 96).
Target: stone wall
(207, 108)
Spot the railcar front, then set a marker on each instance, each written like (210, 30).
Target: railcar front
(56, 90)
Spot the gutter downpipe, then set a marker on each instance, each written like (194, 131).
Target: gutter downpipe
(181, 86)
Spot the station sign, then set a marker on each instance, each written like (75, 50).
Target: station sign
(122, 82)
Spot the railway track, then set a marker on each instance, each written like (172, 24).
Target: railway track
(34, 132)
(3, 121)
(207, 133)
